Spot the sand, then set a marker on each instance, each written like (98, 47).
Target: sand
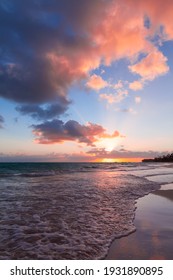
(153, 237)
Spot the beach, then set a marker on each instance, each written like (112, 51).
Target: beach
(153, 221)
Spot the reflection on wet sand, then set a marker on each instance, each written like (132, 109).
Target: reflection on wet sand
(167, 194)
(153, 238)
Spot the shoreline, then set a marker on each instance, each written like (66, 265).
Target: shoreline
(153, 236)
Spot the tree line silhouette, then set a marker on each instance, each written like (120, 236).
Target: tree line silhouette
(165, 158)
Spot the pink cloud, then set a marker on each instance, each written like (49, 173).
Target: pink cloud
(118, 85)
(121, 34)
(136, 85)
(96, 82)
(150, 67)
(160, 14)
(138, 99)
(114, 98)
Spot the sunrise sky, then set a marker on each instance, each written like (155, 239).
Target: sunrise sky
(86, 80)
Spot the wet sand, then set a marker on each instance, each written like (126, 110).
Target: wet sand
(153, 238)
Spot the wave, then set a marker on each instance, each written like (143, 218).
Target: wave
(73, 216)
(36, 174)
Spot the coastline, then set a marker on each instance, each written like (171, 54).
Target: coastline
(153, 237)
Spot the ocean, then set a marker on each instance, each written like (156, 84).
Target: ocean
(69, 210)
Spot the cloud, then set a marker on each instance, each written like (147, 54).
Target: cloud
(150, 67)
(56, 131)
(114, 98)
(126, 110)
(137, 99)
(24, 157)
(38, 52)
(45, 48)
(48, 46)
(96, 82)
(92, 155)
(136, 85)
(102, 153)
(159, 15)
(118, 85)
(30, 81)
(1, 121)
(40, 113)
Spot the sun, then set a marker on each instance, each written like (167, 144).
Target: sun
(109, 144)
(109, 160)
(121, 160)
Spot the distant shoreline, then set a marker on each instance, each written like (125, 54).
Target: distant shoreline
(166, 158)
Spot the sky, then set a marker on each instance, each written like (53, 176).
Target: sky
(86, 80)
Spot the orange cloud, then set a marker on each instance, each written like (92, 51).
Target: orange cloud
(96, 82)
(113, 135)
(150, 67)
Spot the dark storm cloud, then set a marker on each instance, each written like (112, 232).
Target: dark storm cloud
(40, 113)
(1, 121)
(29, 82)
(39, 47)
(28, 37)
